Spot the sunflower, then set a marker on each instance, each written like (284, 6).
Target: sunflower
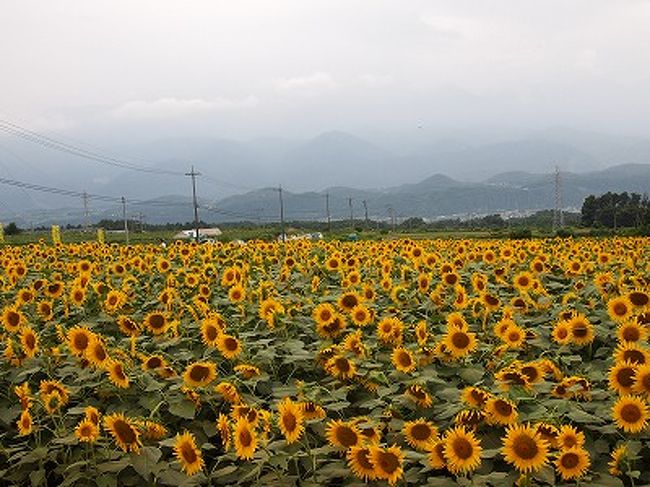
(639, 298)
(403, 360)
(420, 434)
(436, 455)
(572, 463)
(491, 303)
(642, 380)
(229, 346)
(24, 395)
(12, 319)
(359, 461)
(618, 458)
(116, 373)
(245, 440)
(290, 420)
(631, 352)
(153, 362)
(419, 395)
(79, 338)
(124, 431)
(514, 337)
(501, 411)
(25, 424)
(340, 367)
(619, 308)
(630, 414)
(78, 296)
(333, 328)
(580, 330)
(462, 450)
(188, 454)
(48, 387)
(389, 330)
(354, 343)
(621, 377)
(237, 293)
(569, 437)
(229, 392)
(360, 315)
(523, 281)
(128, 326)
(422, 333)
(247, 371)
(343, 435)
(524, 448)
(156, 322)
(223, 427)
(114, 300)
(632, 331)
(153, 430)
(29, 342)
(45, 310)
(92, 414)
(199, 374)
(459, 342)
(457, 321)
(210, 332)
(96, 352)
(469, 418)
(311, 410)
(387, 463)
(87, 431)
(562, 333)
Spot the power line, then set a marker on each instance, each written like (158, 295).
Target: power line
(51, 143)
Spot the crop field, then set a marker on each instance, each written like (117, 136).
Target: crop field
(430, 362)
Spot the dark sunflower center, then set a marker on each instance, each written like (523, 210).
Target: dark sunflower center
(631, 334)
(124, 431)
(154, 362)
(188, 453)
(634, 356)
(13, 319)
(346, 436)
(211, 332)
(30, 341)
(363, 460)
(119, 373)
(570, 460)
(199, 373)
(462, 448)
(625, 377)
(503, 408)
(80, 341)
(530, 372)
(579, 330)
(349, 301)
(630, 413)
(421, 432)
(289, 420)
(638, 298)
(156, 321)
(620, 309)
(562, 333)
(525, 447)
(245, 438)
(460, 339)
(231, 344)
(389, 462)
(404, 359)
(100, 353)
(342, 364)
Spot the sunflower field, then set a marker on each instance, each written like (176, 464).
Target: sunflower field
(429, 362)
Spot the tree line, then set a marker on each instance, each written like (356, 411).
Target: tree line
(616, 210)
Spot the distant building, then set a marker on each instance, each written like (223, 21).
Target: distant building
(203, 233)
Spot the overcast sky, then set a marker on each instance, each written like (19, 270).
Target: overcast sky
(296, 68)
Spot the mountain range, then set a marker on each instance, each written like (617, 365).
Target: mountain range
(451, 175)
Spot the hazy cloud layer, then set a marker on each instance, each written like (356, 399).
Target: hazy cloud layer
(293, 67)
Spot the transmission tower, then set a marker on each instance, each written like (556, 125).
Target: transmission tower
(558, 216)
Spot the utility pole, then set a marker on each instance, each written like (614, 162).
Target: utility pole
(365, 209)
(351, 212)
(391, 212)
(284, 234)
(193, 175)
(558, 216)
(86, 213)
(327, 209)
(141, 221)
(126, 223)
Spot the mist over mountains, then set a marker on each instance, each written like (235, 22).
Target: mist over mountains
(431, 178)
